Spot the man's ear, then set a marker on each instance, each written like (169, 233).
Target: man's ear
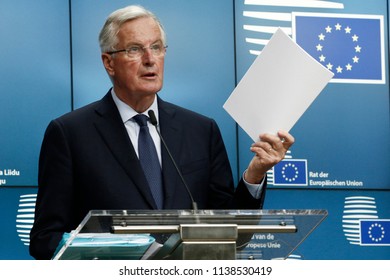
(108, 63)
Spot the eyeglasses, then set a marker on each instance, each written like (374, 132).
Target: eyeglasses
(135, 51)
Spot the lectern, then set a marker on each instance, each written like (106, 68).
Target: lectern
(189, 234)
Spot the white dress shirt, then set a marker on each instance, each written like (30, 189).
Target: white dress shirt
(127, 113)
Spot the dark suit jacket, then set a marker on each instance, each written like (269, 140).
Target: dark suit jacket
(87, 162)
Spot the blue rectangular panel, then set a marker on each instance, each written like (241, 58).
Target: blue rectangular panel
(336, 134)
(338, 237)
(35, 82)
(199, 64)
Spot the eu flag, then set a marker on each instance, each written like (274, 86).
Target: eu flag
(291, 172)
(351, 46)
(375, 232)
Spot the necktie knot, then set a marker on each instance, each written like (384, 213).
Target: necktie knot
(141, 119)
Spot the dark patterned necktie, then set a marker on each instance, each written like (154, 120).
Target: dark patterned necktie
(149, 160)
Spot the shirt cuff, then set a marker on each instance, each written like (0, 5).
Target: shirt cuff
(254, 189)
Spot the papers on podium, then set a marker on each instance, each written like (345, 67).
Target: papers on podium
(106, 246)
(277, 89)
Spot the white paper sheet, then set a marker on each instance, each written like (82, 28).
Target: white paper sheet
(277, 89)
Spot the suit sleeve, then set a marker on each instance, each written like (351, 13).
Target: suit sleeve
(225, 195)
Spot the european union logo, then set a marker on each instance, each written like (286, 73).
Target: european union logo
(291, 172)
(351, 46)
(375, 232)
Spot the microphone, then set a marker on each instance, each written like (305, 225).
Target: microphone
(153, 121)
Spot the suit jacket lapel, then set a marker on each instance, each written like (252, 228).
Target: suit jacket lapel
(111, 128)
(170, 131)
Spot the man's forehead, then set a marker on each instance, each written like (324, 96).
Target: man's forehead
(140, 28)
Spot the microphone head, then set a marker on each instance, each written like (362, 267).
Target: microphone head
(152, 116)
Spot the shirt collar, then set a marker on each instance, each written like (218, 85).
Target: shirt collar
(127, 112)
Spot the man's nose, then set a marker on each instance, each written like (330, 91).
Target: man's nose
(148, 57)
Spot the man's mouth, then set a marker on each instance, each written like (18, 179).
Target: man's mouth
(149, 75)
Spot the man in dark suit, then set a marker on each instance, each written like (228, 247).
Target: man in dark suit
(90, 159)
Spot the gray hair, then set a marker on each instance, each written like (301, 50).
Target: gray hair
(108, 34)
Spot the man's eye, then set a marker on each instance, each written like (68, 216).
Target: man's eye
(156, 47)
(134, 49)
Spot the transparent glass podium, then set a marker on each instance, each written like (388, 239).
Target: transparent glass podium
(189, 234)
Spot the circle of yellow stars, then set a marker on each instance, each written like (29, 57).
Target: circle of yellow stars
(295, 170)
(355, 38)
(376, 238)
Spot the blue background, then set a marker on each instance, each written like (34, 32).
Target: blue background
(51, 64)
